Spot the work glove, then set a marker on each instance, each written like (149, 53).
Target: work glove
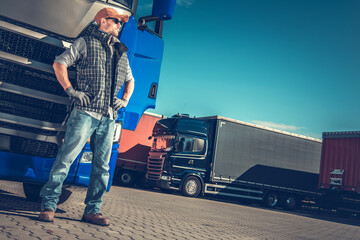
(83, 97)
(120, 103)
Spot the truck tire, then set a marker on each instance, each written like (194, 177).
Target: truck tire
(32, 192)
(191, 187)
(290, 202)
(272, 199)
(126, 178)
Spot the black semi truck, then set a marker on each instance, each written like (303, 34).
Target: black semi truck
(222, 156)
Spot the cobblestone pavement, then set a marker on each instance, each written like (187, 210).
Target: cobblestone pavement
(144, 214)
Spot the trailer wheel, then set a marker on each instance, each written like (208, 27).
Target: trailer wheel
(272, 199)
(126, 178)
(290, 202)
(191, 187)
(32, 192)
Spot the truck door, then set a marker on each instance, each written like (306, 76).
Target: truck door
(189, 154)
(145, 56)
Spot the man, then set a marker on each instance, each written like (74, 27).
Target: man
(102, 68)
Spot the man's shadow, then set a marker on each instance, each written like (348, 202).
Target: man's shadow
(12, 204)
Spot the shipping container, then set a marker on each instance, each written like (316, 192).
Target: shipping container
(340, 161)
(339, 178)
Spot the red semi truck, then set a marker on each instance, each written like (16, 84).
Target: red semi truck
(339, 178)
(133, 150)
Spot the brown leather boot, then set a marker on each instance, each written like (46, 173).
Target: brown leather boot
(46, 215)
(97, 219)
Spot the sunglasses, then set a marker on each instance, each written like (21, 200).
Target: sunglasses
(116, 21)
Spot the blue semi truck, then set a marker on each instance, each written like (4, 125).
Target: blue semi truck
(33, 105)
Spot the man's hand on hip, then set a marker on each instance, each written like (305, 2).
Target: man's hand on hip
(120, 103)
(83, 97)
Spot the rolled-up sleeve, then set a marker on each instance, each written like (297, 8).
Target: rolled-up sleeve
(129, 76)
(71, 55)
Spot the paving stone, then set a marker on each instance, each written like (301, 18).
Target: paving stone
(148, 214)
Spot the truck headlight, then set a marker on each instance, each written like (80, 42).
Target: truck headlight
(166, 178)
(86, 157)
(117, 132)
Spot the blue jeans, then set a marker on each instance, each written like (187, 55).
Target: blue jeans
(80, 128)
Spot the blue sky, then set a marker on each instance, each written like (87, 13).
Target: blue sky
(292, 65)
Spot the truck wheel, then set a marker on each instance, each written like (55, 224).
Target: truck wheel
(65, 194)
(272, 199)
(290, 202)
(191, 187)
(126, 178)
(32, 191)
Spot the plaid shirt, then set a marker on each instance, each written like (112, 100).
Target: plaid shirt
(95, 70)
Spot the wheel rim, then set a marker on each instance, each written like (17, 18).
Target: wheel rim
(290, 202)
(191, 187)
(125, 178)
(272, 199)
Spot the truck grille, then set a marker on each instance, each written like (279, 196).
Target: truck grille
(154, 168)
(32, 147)
(27, 78)
(28, 107)
(24, 46)
(30, 78)
(27, 129)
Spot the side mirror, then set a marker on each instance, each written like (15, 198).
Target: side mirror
(163, 9)
(149, 138)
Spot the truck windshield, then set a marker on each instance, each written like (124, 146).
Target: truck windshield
(163, 126)
(126, 3)
(163, 143)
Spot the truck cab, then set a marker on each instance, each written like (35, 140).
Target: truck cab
(178, 158)
(33, 106)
